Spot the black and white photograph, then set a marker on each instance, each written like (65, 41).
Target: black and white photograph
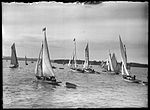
(75, 54)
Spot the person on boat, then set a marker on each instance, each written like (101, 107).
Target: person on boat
(53, 78)
(134, 77)
(38, 77)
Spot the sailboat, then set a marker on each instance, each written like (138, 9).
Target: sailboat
(73, 62)
(14, 61)
(112, 66)
(26, 60)
(43, 70)
(86, 66)
(126, 73)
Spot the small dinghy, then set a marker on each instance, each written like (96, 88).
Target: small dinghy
(70, 85)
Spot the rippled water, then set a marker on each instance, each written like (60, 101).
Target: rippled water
(94, 90)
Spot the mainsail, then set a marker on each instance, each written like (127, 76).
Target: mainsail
(73, 61)
(86, 63)
(38, 68)
(115, 64)
(124, 58)
(14, 59)
(123, 52)
(46, 63)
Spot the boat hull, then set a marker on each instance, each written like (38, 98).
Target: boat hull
(76, 70)
(70, 85)
(132, 80)
(14, 66)
(144, 83)
(49, 82)
(89, 70)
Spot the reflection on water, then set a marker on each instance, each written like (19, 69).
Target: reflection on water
(21, 90)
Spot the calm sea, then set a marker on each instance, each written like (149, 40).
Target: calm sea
(20, 90)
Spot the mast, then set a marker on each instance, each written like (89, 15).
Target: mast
(110, 63)
(75, 56)
(46, 63)
(14, 59)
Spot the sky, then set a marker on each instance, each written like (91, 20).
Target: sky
(99, 25)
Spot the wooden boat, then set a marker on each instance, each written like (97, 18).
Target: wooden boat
(73, 62)
(86, 66)
(53, 67)
(26, 61)
(126, 73)
(14, 61)
(130, 79)
(43, 70)
(70, 85)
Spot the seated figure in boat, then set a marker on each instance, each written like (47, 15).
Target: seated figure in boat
(129, 77)
(50, 78)
(38, 77)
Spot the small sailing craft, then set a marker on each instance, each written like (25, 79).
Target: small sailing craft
(70, 85)
(26, 61)
(111, 67)
(86, 66)
(43, 70)
(126, 74)
(73, 62)
(14, 61)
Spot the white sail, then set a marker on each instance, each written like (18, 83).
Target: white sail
(73, 62)
(39, 64)
(46, 64)
(110, 63)
(114, 63)
(69, 64)
(86, 62)
(14, 59)
(124, 58)
(123, 52)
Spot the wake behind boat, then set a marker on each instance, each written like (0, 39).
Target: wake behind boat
(14, 61)
(126, 73)
(43, 70)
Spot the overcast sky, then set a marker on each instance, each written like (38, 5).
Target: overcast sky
(99, 25)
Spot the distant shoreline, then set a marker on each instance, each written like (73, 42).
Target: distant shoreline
(65, 61)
